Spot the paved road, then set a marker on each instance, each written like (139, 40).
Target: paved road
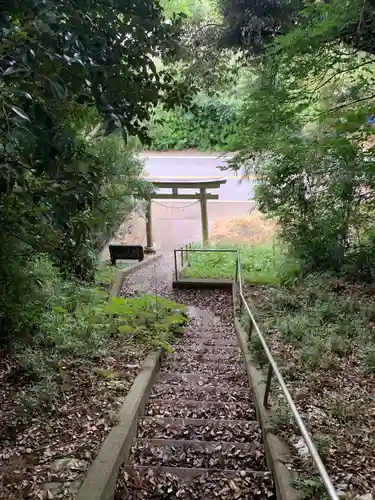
(198, 166)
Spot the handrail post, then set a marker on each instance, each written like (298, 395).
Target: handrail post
(182, 257)
(268, 386)
(237, 269)
(188, 254)
(175, 264)
(250, 327)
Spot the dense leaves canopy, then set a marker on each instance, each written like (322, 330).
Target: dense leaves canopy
(253, 25)
(305, 132)
(72, 72)
(60, 56)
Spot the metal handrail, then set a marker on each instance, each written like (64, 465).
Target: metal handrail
(274, 370)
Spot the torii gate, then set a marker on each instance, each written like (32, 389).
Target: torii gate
(180, 184)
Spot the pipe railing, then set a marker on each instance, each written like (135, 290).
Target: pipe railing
(273, 370)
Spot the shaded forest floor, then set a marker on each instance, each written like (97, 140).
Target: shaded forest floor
(322, 333)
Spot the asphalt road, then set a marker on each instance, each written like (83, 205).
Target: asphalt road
(198, 166)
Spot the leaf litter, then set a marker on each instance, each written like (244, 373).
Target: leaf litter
(337, 401)
(186, 387)
(45, 454)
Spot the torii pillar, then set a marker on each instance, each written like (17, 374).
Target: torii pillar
(149, 248)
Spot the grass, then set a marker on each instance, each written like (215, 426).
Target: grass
(321, 324)
(260, 263)
(251, 229)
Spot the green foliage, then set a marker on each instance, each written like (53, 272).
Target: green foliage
(46, 221)
(60, 79)
(149, 319)
(322, 322)
(209, 125)
(261, 264)
(257, 349)
(194, 10)
(66, 85)
(304, 132)
(368, 357)
(71, 322)
(312, 486)
(105, 274)
(253, 26)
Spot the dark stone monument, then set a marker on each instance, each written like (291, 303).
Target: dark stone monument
(125, 252)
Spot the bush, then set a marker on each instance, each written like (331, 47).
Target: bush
(75, 246)
(120, 171)
(70, 322)
(368, 358)
(209, 125)
(69, 233)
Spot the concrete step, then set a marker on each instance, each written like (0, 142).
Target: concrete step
(194, 484)
(201, 409)
(193, 366)
(208, 341)
(198, 454)
(204, 336)
(202, 444)
(199, 429)
(190, 473)
(208, 349)
(183, 356)
(196, 392)
(178, 378)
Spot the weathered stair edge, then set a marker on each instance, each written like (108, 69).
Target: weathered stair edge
(100, 481)
(278, 453)
(122, 273)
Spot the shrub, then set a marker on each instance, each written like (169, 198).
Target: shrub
(368, 358)
(257, 348)
(209, 125)
(68, 235)
(66, 321)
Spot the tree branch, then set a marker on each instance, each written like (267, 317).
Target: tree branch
(341, 72)
(348, 104)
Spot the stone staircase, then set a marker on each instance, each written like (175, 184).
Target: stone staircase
(199, 438)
